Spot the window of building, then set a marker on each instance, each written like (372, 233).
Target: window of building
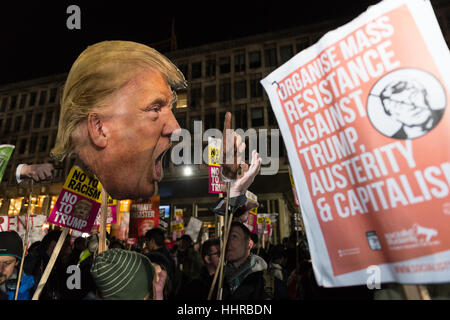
(271, 115)
(286, 52)
(1, 124)
(302, 44)
(210, 67)
(27, 123)
(240, 89)
(270, 57)
(42, 98)
(197, 70)
(43, 144)
(48, 119)
(13, 104)
(222, 119)
(23, 99)
(7, 174)
(196, 96)
(53, 140)
(4, 104)
(17, 123)
(210, 94)
(225, 91)
(53, 92)
(184, 69)
(254, 59)
(210, 121)
(191, 123)
(255, 86)
(240, 116)
(57, 117)
(8, 125)
(13, 141)
(32, 145)
(257, 116)
(239, 62)
(181, 119)
(224, 65)
(32, 101)
(37, 121)
(22, 146)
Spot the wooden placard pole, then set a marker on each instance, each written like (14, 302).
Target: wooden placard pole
(25, 244)
(416, 292)
(103, 216)
(219, 268)
(51, 263)
(227, 233)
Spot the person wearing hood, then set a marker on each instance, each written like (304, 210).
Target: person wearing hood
(246, 276)
(11, 249)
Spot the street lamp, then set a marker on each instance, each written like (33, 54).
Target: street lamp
(187, 171)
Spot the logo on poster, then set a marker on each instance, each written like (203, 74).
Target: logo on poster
(414, 237)
(374, 242)
(406, 104)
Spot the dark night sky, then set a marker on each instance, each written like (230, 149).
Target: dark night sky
(36, 42)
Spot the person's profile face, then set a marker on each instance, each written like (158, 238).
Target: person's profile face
(139, 122)
(237, 245)
(214, 255)
(409, 106)
(7, 265)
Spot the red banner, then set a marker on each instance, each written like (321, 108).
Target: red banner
(143, 217)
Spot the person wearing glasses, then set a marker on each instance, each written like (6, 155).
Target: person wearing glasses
(198, 288)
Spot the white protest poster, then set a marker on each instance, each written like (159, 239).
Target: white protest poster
(364, 116)
(19, 224)
(193, 228)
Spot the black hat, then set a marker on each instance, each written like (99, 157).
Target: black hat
(11, 244)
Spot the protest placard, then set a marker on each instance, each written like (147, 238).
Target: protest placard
(264, 224)
(111, 217)
(361, 116)
(6, 151)
(79, 201)
(143, 217)
(251, 222)
(177, 225)
(193, 228)
(215, 184)
(19, 224)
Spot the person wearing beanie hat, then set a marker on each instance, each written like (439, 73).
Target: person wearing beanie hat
(126, 275)
(11, 249)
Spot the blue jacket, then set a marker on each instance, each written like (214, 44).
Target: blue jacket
(25, 289)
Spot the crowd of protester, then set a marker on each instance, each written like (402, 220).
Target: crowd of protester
(151, 269)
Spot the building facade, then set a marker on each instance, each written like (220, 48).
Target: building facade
(223, 76)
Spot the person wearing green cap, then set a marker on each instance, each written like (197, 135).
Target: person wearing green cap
(11, 249)
(127, 275)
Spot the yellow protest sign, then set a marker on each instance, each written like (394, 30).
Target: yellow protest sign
(260, 220)
(213, 156)
(176, 227)
(214, 146)
(81, 183)
(178, 212)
